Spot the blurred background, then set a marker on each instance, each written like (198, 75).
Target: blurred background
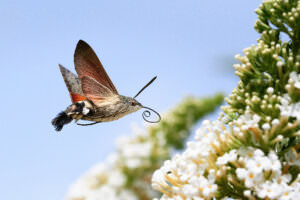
(190, 45)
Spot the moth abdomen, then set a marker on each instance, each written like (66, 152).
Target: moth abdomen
(80, 108)
(60, 120)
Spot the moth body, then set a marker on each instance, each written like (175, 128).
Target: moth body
(94, 96)
(97, 111)
(115, 108)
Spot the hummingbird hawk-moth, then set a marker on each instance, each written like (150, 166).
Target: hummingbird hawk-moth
(94, 96)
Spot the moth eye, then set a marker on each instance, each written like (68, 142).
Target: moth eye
(132, 103)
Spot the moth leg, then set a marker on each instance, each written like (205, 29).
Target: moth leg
(77, 118)
(87, 124)
(82, 109)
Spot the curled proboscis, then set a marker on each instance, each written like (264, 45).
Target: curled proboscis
(146, 114)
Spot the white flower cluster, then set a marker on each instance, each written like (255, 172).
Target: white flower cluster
(262, 175)
(133, 153)
(185, 177)
(108, 180)
(287, 108)
(294, 80)
(100, 181)
(199, 173)
(231, 154)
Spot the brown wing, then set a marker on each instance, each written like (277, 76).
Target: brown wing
(88, 64)
(94, 90)
(73, 84)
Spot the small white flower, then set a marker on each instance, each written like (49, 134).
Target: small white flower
(285, 179)
(266, 126)
(297, 84)
(247, 193)
(289, 109)
(289, 196)
(241, 173)
(116, 178)
(270, 190)
(209, 190)
(279, 137)
(270, 90)
(255, 166)
(158, 179)
(248, 120)
(246, 153)
(275, 164)
(279, 64)
(275, 122)
(190, 191)
(295, 78)
(250, 178)
(130, 149)
(227, 157)
(258, 153)
(291, 158)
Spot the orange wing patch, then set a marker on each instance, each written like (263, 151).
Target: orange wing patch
(76, 97)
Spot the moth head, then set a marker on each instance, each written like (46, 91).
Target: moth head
(133, 104)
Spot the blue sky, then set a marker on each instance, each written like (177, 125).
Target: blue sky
(188, 44)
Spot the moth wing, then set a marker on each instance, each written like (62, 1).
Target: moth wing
(73, 84)
(76, 97)
(94, 90)
(88, 64)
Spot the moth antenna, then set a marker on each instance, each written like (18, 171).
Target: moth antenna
(145, 87)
